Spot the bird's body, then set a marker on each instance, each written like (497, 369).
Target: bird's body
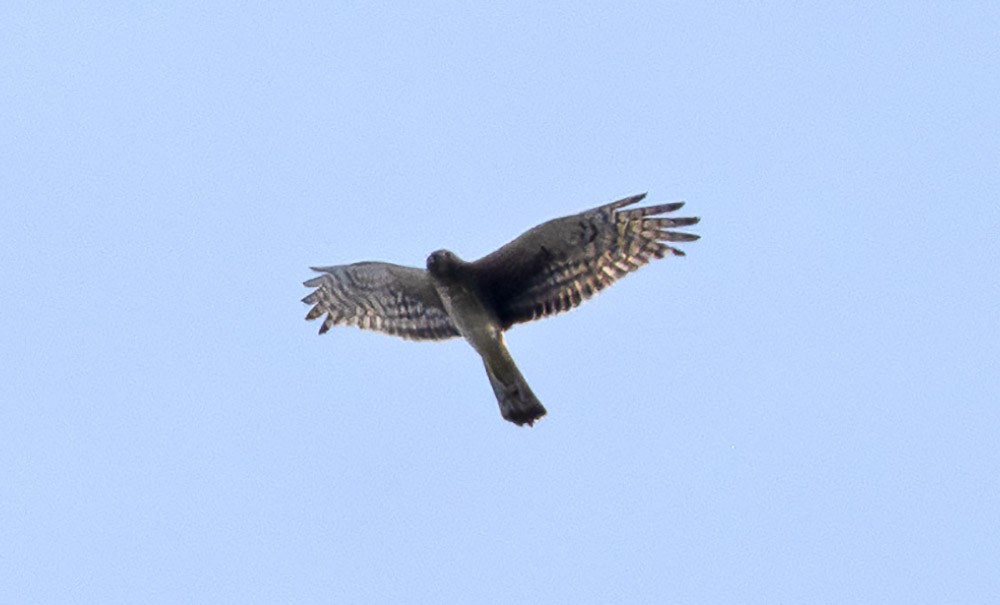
(479, 324)
(547, 270)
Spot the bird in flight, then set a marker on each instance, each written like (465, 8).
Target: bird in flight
(547, 270)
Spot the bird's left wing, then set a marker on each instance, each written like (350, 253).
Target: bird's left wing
(385, 297)
(559, 264)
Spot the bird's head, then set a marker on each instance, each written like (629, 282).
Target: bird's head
(442, 263)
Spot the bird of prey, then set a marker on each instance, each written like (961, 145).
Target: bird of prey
(547, 270)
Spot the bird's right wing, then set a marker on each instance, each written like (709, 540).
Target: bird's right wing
(559, 264)
(388, 298)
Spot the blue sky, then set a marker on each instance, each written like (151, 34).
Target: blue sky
(804, 409)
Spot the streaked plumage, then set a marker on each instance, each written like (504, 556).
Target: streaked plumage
(547, 270)
(389, 298)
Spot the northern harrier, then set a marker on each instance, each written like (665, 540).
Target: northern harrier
(547, 270)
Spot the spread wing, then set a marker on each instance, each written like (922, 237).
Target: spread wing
(559, 264)
(388, 298)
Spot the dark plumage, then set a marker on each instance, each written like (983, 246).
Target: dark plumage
(547, 270)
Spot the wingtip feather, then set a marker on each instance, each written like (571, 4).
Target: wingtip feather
(678, 236)
(665, 208)
(627, 201)
(323, 329)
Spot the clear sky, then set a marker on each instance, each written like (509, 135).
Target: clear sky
(805, 409)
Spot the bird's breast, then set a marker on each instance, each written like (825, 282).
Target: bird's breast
(475, 322)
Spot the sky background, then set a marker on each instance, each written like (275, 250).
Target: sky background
(805, 409)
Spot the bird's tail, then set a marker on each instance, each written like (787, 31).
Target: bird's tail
(517, 403)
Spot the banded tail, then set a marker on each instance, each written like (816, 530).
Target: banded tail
(518, 403)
